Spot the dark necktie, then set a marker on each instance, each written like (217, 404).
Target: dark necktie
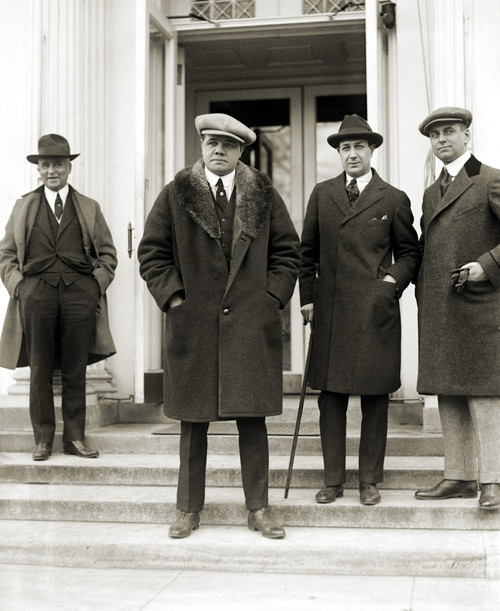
(352, 191)
(58, 208)
(445, 182)
(220, 195)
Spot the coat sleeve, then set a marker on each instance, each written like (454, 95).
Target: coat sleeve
(405, 247)
(283, 253)
(490, 260)
(309, 250)
(10, 266)
(104, 270)
(156, 252)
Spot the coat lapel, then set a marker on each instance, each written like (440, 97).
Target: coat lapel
(457, 188)
(254, 200)
(371, 194)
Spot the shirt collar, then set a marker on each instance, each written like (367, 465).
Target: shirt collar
(361, 181)
(50, 195)
(227, 180)
(455, 166)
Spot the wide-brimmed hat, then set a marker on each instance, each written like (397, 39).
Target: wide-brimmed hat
(52, 145)
(446, 114)
(353, 127)
(219, 124)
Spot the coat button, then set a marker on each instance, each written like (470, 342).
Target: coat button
(225, 311)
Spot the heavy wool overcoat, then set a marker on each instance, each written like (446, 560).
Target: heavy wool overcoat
(346, 251)
(99, 250)
(223, 344)
(459, 333)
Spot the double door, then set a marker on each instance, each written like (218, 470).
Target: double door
(292, 125)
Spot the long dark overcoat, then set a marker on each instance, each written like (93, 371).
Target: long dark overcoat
(346, 251)
(223, 344)
(99, 249)
(459, 333)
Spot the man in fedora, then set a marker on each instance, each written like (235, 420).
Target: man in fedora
(458, 293)
(220, 256)
(359, 252)
(56, 260)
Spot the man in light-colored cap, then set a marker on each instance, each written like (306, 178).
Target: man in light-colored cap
(458, 293)
(220, 256)
(359, 252)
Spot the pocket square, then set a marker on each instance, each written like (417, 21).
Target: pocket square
(382, 218)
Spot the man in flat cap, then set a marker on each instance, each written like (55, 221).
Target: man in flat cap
(56, 260)
(458, 293)
(359, 252)
(220, 257)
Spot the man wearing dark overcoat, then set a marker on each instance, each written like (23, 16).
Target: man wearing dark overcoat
(57, 259)
(220, 256)
(458, 293)
(359, 252)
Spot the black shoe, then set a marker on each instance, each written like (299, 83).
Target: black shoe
(449, 489)
(184, 524)
(368, 494)
(490, 496)
(259, 520)
(79, 449)
(42, 451)
(328, 494)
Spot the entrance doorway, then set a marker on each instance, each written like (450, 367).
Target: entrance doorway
(292, 125)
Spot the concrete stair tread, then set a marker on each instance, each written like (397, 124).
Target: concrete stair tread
(215, 495)
(234, 548)
(216, 461)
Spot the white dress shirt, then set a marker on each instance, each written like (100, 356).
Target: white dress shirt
(227, 181)
(361, 181)
(50, 196)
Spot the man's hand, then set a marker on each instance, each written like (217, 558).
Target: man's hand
(389, 278)
(476, 272)
(175, 300)
(308, 312)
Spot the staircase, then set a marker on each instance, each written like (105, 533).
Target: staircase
(114, 511)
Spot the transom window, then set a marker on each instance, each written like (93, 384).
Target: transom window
(314, 7)
(217, 10)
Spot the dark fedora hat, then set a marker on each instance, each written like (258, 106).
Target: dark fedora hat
(52, 145)
(352, 128)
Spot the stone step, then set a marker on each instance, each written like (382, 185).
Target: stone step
(304, 551)
(224, 506)
(14, 412)
(143, 438)
(401, 472)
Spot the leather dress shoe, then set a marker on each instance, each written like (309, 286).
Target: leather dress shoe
(328, 494)
(449, 489)
(368, 494)
(184, 524)
(490, 496)
(79, 449)
(259, 520)
(42, 451)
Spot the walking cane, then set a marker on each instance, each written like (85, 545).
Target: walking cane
(299, 414)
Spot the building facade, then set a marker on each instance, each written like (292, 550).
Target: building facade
(124, 79)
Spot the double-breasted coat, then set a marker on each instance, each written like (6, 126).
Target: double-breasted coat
(223, 344)
(99, 250)
(459, 333)
(346, 251)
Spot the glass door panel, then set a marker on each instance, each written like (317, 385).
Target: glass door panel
(275, 116)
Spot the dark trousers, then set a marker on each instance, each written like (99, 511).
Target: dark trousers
(254, 459)
(372, 443)
(58, 321)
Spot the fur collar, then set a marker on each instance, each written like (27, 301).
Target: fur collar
(254, 199)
